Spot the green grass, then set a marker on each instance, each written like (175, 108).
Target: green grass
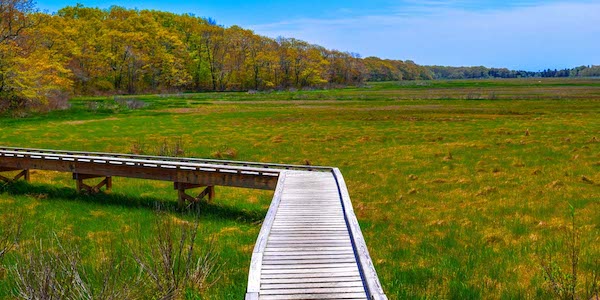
(454, 199)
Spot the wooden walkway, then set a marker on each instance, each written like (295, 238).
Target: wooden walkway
(310, 245)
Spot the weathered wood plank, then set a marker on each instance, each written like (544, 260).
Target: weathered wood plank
(310, 252)
(271, 258)
(311, 270)
(333, 274)
(305, 265)
(305, 285)
(346, 296)
(317, 290)
(322, 261)
(308, 280)
(281, 237)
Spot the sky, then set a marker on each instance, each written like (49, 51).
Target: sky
(518, 34)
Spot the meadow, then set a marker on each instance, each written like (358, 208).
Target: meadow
(464, 189)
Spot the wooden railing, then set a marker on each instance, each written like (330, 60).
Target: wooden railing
(177, 159)
(369, 275)
(185, 173)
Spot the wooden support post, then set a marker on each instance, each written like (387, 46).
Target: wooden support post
(25, 174)
(81, 186)
(207, 192)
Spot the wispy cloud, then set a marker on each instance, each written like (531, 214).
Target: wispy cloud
(526, 34)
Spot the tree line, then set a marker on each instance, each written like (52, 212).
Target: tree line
(90, 51)
(44, 59)
(442, 72)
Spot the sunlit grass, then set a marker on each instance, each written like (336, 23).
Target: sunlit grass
(456, 198)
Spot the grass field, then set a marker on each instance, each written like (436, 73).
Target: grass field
(463, 188)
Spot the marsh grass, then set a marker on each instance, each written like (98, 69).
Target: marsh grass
(452, 195)
(562, 270)
(173, 265)
(172, 148)
(55, 270)
(11, 228)
(169, 265)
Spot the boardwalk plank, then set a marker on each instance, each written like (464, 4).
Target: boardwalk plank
(315, 296)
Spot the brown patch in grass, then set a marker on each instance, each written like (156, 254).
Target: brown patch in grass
(277, 139)
(587, 180)
(438, 223)
(487, 191)
(178, 221)
(98, 213)
(126, 228)
(330, 138)
(38, 197)
(413, 177)
(518, 164)
(494, 238)
(463, 181)
(7, 200)
(439, 180)
(101, 237)
(449, 156)
(557, 184)
(225, 153)
(79, 122)
(32, 206)
(252, 198)
(364, 139)
(247, 248)
(228, 231)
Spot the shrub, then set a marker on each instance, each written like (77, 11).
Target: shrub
(173, 265)
(564, 276)
(56, 272)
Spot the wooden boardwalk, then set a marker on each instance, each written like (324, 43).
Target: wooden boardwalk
(310, 245)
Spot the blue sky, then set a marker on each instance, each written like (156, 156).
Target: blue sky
(520, 34)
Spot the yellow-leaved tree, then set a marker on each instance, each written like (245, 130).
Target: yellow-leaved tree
(32, 73)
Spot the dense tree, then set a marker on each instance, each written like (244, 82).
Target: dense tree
(32, 69)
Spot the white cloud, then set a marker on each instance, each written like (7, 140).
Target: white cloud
(523, 36)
